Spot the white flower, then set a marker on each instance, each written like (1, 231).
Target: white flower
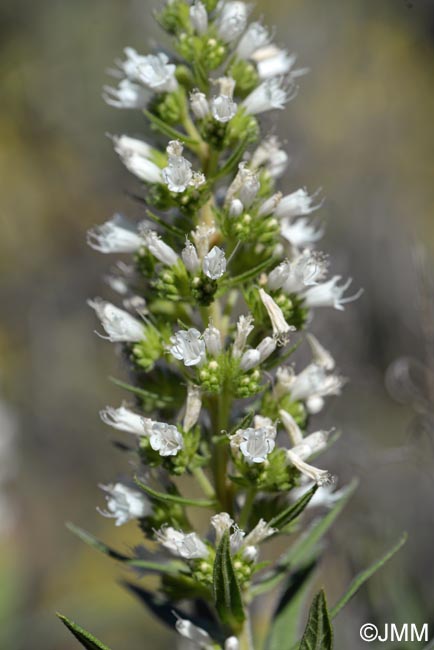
(213, 340)
(136, 156)
(124, 503)
(159, 249)
(202, 237)
(157, 73)
(259, 533)
(190, 257)
(254, 357)
(244, 328)
(254, 444)
(281, 328)
(309, 382)
(236, 539)
(232, 21)
(271, 94)
(199, 17)
(199, 104)
(304, 271)
(269, 206)
(320, 476)
(292, 427)
(214, 263)
(255, 36)
(245, 186)
(312, 444)
(130, 67)
(300, 233)
(236, 208)
(270, 155)
(166, 439)
(178, 175)
(296, 204)
(124, 420)
(232, 643)
(192, 407)
(188, 546)
(188, 346)
(119, 325)
(196, 634)
(221, 523)
(223, 108)
(114, 237)
(279, 64)
(330, 294)
(126, 95)
(321, 356)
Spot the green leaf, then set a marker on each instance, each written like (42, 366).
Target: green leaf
(362, 577)
(318, 634)
(293, 511)
(227, 593)
(141, 392)
(86, 639)
(251, 273)
(144, 565)
(174, 498)
(284, 631)
(172, 133)
(301, 552)
(231, 161)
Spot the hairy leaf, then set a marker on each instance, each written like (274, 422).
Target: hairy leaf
(86, 639)
(174, 498)
(227, 593)
(293, 511)
(362, 577)
(318, 634)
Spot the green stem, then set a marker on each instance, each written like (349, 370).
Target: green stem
(204, 482)
(246, 637)
(247, 508)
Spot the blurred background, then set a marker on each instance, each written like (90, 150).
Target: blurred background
(360, 129)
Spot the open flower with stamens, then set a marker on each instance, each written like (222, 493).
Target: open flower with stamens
(300, 233)
(223, 107)
(188, 346)
(330, 294)
(166, 439)
(155, 72)
(270, 95)
(114, 236)
(126, 95)
(118, 324)
(186, 545)
(296, 204)
(255, 37)
(254, 444)
(124, 503)
(124, 419)
(214, 263)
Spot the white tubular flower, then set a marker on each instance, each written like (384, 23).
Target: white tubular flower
(259, 533)
(214, 263)
(307, 269)
(292, 427)
(199, 104)
(114, 237)
(232, 21)
(269, 95)
(126, 95)
(255, 444)
(255, 37)
(236, 539)
(189, 547)
(124, 420)
(124, 503)
(159, 249)
(309, 382)
(196, 634)
(166, 439)
(232, 643)
(213, 340)
(192, 407)
(244, 328)
(221, 523)
(178, 174)
(314, 443)
(320, 476)
(266, 348)
(296, 204)
(157, 73)
(270, 155)
(199, 18)
(202, 236)
(190, 257)
(188, 346)
(245, 186)
(118, 324)
(223, 107)
(300, 233)
(250, 359)
(130, 67)
(236, 208)
(276, 65)
(281, 329)
(321, 356)
(136, 156)
(126, 146)
(330, 294)
(269, 206)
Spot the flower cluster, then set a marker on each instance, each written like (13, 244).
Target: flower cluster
(222, 278)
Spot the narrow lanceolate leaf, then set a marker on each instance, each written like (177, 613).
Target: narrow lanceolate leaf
(143, 565)
(300, 553)
(360, 579)
(284, 631)
(141, 392)
(227, 593)
(165, 129)
(86, 639)
(174, 498)
(248, 275)
(293, 511)
(318, 634)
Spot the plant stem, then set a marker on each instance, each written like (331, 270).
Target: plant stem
(247, 508)
(246, 637)
(204, 482)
